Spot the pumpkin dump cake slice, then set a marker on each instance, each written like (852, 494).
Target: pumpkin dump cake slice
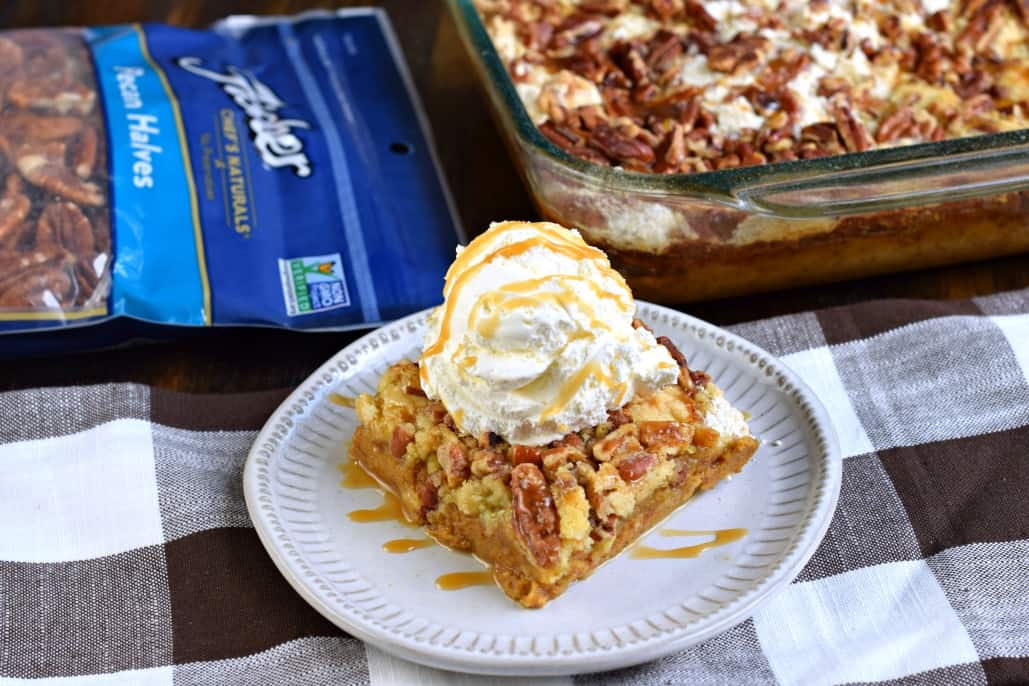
(544, 429)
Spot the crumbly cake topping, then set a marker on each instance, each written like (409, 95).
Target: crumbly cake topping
(678, 86)
(566, 496)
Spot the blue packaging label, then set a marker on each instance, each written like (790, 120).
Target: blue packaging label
(155, 223)
(267, 172)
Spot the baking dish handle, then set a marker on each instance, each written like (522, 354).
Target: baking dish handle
(892, 186)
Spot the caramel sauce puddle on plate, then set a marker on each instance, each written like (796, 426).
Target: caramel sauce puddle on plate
(389, 511)
(406, 545)
(341, 400)
(719, 537)
(354, 476)
(455, 581)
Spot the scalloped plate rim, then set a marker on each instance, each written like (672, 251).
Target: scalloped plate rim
(583, 661)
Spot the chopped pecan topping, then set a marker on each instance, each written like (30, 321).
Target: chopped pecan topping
(521, 454)
(665, 435)
(851, 130)
(534, 515)
(632, 467)
(490, 463)
(674, 91)
(621, 441)
(453, 458)
(403, 435)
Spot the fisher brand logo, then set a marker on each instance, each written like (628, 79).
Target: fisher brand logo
(273, 137)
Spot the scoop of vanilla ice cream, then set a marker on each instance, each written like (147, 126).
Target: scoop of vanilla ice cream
(535, 337)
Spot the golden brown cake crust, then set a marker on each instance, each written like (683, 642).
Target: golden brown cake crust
(543, 517)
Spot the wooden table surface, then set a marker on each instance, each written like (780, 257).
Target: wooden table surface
(485, 186)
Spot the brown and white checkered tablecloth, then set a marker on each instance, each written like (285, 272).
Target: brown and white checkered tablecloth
(126, 554)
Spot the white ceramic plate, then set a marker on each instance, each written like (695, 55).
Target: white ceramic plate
(630, 611)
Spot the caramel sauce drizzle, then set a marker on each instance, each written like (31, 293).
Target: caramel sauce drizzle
(720, 537)
(465, 267)
(341, 400)
(354, 476)
(455, 581)
(570, 387)
(389, 511)
(406, 545)
(526, 294)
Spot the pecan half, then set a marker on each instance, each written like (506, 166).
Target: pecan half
(895, 125)
(60, 96)
(63, 224)
(534, 515)
(616, 146)
(40, 168)
(46, 286)
(850, 128)
(29, 126)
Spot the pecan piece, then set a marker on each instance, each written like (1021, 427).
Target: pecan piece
(428, 491)
(618, 417)
(895, 125)
(28, 126)
(665, 434)
(619, 147)
(621, 441)
(490, 463)
(63, 224)
(534, 515)
(453, 458)
(632, 467)
(40, 168)
(14, 207)
(685, 380)
(42, 286)
(84, 153)
(850, 128)
(696, 11)
(521, 454)
(11, 55)
(403, 435)
(60, 96)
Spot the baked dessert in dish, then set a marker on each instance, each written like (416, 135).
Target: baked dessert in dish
(680, 86)
(544, 429)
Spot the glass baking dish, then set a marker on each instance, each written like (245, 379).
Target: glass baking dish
(687, 237)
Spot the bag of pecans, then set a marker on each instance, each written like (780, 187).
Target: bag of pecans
(263, 172)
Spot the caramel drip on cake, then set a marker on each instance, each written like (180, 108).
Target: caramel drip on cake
(455, 581)
(720, 537)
